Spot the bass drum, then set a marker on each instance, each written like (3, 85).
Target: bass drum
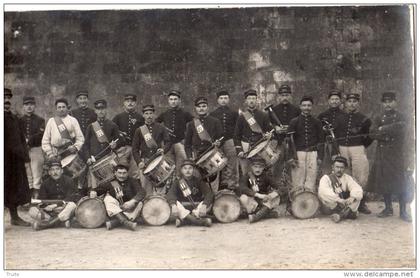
(156, 210)
(304, 203)
(226, 206)
(91, 212)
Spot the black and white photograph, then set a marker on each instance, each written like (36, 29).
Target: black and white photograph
(209, 137)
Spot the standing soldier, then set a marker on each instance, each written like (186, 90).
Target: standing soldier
(100, 135)
(388, 171)
(33, 127)
(149, 139)
(127, 122)
(252, 125)
(309, 138)
(175, 119)
(16, 189)
(353, 139)
(328, 119)
(84, 115)
(228, 118)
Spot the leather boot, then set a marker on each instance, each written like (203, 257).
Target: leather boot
(387, 211)
(363, 208)
(35, 193)
(403, 211)
(16, 220)
(112, 223)
(343, 214)
(198, 221)
(124, 220)
(45, 224)
(258, 215)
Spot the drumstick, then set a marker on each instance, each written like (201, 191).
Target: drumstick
(107, 148)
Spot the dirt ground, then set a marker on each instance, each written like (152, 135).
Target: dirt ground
(282, 243)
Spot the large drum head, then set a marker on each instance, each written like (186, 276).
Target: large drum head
(258, 148)
(305, 204)
(205, 156)
(90, 212)
(156, 211)
(152, 164)
(226, 207)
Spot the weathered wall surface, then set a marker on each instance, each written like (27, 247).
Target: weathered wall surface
(365, 50)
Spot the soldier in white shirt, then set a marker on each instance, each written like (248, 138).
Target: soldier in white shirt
(339, 193)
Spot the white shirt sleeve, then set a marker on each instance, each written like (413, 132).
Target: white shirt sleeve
(355, 189)
(80, 139)
(325, 190)
(46, 138)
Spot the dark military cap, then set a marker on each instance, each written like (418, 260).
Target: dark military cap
(187, 162)
(100, 103)
(133, 97)
(389, 96)
(8, 92)
(121, 166)
(307, 98)
(82, 93)
(250, 92)
(257, 160)
(200, 100)
(355, 96)
(222, 93)
(285, 89)
(28, 99)
(54, 162)
(334, 93)
(148, 107)
(61, 100)
(174, 93)
(341, 159)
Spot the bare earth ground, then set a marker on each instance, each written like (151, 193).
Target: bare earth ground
(283, 243)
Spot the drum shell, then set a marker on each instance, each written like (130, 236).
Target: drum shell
(159, 208)
(214, 163)
(76, 166)
(90, 212)
(304, 203)
(103, 169)
(269, 152)
(226, 206)
(161, 172)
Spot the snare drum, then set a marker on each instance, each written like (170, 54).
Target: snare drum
(90, 212)
(212, 161)
(226, 206)
(158, 170)
(267, 151)
(74, 164)
(156, 210)
(304, 202)
(103, 169)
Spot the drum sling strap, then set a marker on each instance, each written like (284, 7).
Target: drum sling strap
(201, 131)
(253, 125)
(336, 184)
(100, 134)
(253, 182)
(64, 133)
(118, 191)
(147, 136)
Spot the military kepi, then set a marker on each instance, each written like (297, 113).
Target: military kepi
(100, 103)
(354, 96)
(132, 97)
(174, 93)
(250, 92)
(285, 89)
(82, 93)
(222, 93)
(200, 100)
(8, 92)
(388, 96)
(148, 107)
(28, 100)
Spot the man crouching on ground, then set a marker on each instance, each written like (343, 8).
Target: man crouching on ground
(258, 192)
(59, 195)
(339, 193)
(191, 191)
(123, 200)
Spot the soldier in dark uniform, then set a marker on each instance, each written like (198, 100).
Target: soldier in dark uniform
(100, 135)
(175, 119)
(309, 138)
(190, 197)
(123, 200)
(150, 139)
(328, 119)
(353, 139)
(228, 118)
(16, 188)
(56, 187)
(84, 115)
(251, 126)
(258, 192)
(127, 122)
(33, 127)
(389, 168)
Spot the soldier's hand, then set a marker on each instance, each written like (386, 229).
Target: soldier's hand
(72, 149)
(159, 151)
(202, 211)
(241, 154)
(349, 200)
(141, 165)
(50, 207)
(341, 201)
(217, 143)
(89, 161)
(129, 205)
(93, 194)
(113, 145)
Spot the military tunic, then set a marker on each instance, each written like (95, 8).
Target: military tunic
(175, 119)
(128, 122)
(85, 116)
(140, 148)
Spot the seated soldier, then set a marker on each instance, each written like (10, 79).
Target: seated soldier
(56, 187)
(123, 199)
(339, 193)
(258, 192)
(189, 190)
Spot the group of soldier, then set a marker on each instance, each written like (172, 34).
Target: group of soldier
(334, 143)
